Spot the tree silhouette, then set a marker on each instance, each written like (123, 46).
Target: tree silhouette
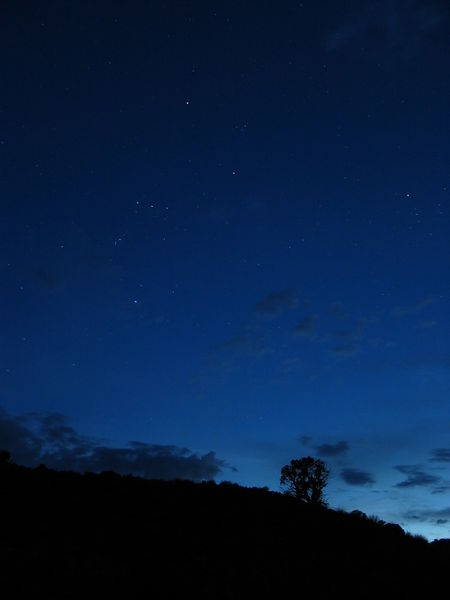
(305, 479)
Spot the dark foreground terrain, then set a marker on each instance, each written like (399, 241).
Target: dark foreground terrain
(66, 535)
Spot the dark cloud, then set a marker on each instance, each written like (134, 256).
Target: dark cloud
(398, 30)
(440, 455)
(416, 477)
(306, 326)
(275, 303)
(48, 439)
(332, 449)
(355, 477)
(345, 350)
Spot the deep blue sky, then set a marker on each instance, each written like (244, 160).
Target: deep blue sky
(225, 235)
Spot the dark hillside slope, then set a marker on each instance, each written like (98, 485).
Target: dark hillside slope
(68, 535)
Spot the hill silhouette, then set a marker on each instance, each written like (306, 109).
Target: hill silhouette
(67, 535)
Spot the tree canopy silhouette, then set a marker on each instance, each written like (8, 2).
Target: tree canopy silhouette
(305, 478)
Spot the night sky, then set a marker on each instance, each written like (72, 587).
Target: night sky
(225, 243)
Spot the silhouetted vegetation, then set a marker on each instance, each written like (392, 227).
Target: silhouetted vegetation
(305, 479)
(67, 535)
(5, 456)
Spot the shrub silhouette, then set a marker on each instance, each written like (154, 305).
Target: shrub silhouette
(5, 456)
(305, 479)
(63, 533)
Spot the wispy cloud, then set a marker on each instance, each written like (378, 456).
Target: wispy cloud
(413, 309)
(354, 330)
(244, 344)
(306, 327)
(443, 487)
(440, 455)
(338, 310)
(275, 303)
(306, 440)
(47, 278)
(345, 350)
(395, 28)
(427, 324)
(416, 477)
(438, 516)
(330, 450)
